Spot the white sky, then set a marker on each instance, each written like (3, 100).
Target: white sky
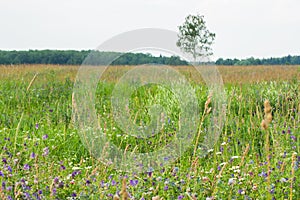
(244, 28)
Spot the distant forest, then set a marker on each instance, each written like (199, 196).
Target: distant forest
(72, 57)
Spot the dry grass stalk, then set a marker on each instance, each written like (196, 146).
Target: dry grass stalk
(116, 197)
(207, 110)
(2, 195)
(124, 193)
(268, 115)
(156, 198)
(244, 154)
(265, 124)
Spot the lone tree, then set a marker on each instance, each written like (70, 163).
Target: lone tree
(194, 38)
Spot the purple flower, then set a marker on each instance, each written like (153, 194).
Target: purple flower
(4, 160)
(27, 196)
(62, 167)
(166, 188)
(9, 169)
(36, 126)
(113, 182)
(61, 184)
(293, 137)
(74, 174)
(56, 180)
(54, 191)
(88, 182)
(32, 155)
(3, 185)
(1, 174)
(46, 151)
(180, 197)
(9, 188)
(9, 198)
(133, 182)
(73, 194)
(264, 174)
(26, 167)
(45, 137)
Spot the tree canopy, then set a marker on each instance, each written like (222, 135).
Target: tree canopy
(71, 57)
(194, 38)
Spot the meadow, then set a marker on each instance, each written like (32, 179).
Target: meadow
(256, 157)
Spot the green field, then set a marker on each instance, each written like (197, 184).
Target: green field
(43, 157)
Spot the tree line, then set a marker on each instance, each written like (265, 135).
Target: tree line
(72, 57)
(287, 60)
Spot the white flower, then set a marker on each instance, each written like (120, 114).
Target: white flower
(210, 150)
(231, 181)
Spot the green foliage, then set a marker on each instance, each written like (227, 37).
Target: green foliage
(71, 57)
(68, 170)
(194, 38)
(287, 60)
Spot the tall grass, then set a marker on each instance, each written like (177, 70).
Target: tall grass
(42, 156)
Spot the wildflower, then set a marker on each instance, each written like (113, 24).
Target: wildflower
(284, 180)
(27, 196)
(9, 169)
(74, 194)
(264, 174)
(293, 138)
(241, 191)
(54, 191)
(9, 188)
(1, 174)
(254, 187)
(180, 197)
(56, 179)
(231, 181)
(46, 151)
(133, 182)
(45, 137)
(166, 188)
(26, 167)
(87, 182)
(235, 157)
(36, 126)
(61, 184)
(32, 155)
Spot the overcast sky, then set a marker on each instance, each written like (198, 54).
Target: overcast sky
(244, 28)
